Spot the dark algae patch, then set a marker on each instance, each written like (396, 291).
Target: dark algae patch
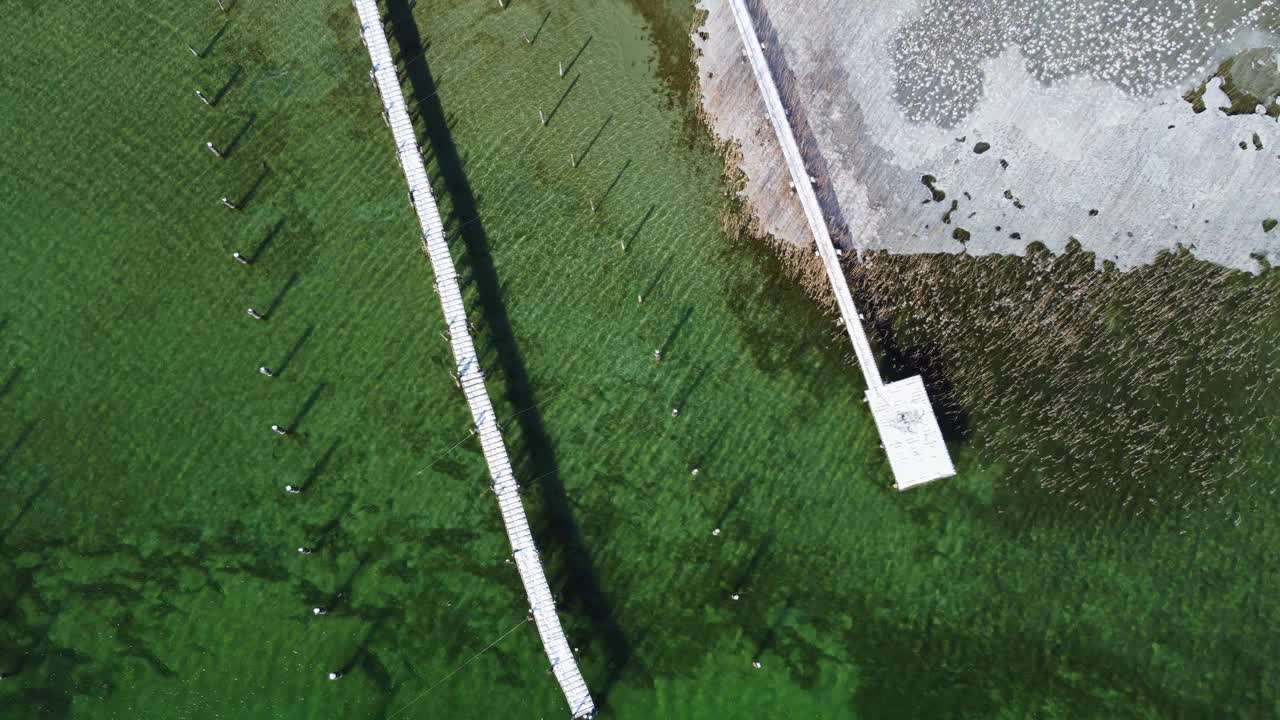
(1091, 363)
(935, 192)
(669, 24)
(1243, 102)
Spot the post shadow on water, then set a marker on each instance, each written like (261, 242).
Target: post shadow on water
(573, 60)
(675, 331)
(253, 189)
(214, 40)
(682, 397)
(266, 241)
(337, 600)
(21, 440)
(551, 115)
(35, 495)
(10, 381)
(534, 37)
(236, 72)
(743, 577)
(324, 536)
(739, 491)
(321, 465)
(276, 301)
(708, 451)
(594, 138)
(657, 277)
(307, 405)
(770, 638)
(581, 587)
(616, 179)
(239, 136)
(643, 221)
(366, 661)
(293, 351)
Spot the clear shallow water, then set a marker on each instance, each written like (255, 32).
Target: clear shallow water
(149, 566)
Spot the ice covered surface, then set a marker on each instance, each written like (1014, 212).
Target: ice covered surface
(1078, 105)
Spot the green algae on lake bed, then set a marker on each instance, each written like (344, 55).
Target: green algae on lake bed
(149, 565)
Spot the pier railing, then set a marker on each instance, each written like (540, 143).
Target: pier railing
(903, 414)
(469, 373)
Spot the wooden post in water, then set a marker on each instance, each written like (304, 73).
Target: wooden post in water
(222, 7)
(542, 118)
(561, 68)
(525, 35)
(573, 159)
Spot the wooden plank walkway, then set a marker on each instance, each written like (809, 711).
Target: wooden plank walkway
(470, 375)
(912, 439)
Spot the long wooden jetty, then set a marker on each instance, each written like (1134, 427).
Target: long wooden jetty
(469, 373)
(903, 414)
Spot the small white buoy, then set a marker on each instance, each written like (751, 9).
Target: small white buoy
(335, 675)
(279, 430)
(319, 611)
(716, 532)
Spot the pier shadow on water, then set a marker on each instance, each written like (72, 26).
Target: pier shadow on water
(902, 362)
(580, 586)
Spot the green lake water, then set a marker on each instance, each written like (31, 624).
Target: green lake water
(148, 564)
